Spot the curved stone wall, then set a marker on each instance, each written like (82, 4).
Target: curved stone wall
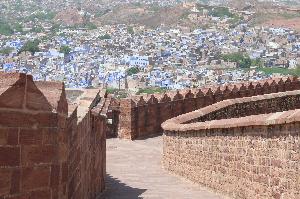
(226, 148)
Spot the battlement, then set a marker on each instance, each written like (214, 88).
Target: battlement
(50, 148)
(142, 116)
(228, 113)
(244, 147)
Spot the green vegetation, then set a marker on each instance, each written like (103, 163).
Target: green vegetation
(117, 93)
(289, 15)
(6, 50)
(90, 26)
(45, 38)
(65, 49)
(43, 16)
(55, 28)
(5, 29)
(101, 13)
(235, 20)
(18, 28)
(283, 71)
(184, 15)
(132, 71)
(31, 46)
(151, 90)
(137, 4)
(257, 62)
(37, 29)
(242, 60)
(130, 30)
(111, 90)
(220, 12)
(106, 36)
(154, 7)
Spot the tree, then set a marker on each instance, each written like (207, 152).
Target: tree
(55, 28)
(31, 46)
(132, 71)
(5, 29)
(221, 12)
(242, 60)
(257, 62)
(37, 29)
(106, 36)
(65, 49)
(18, 28)
(90, 26)
(130, 30)
(6, 51)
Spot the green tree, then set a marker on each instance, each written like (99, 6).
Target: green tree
(132, 71)
(6, 50)
(130, 30)
(5, 29)
(65, 49)
(31, 46)
(37, 29)
(18, 28)
(102, 12)
(90, 26)
(257, 62)
(152, 90)
(55, 28)
(106, 36)
(242, 60)
(221, 12)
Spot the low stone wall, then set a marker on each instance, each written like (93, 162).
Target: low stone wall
(142, 116)
(256, 156)
(46, 153)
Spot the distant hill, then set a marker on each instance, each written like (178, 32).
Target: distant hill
(69, 17)
(151, 16)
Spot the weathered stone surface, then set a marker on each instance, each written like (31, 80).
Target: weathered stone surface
(33, 178)
(39, 143)
(138, 121)
(240, 147)
(9, 156)
(12, 90)
(248, 164)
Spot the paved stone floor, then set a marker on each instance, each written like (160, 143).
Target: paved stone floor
(134, 171)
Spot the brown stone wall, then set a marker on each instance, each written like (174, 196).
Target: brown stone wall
(243, 162)
(41, 148)
(32, 154)
(244, 148)
(272, 105)
(86, 159)
(127, 126)
(143, 117)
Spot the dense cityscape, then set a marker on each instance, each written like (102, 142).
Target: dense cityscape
(137, 58)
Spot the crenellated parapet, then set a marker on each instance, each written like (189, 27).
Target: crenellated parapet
(142, 116)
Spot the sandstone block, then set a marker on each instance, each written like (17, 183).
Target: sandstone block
(9, 156)
(33, 178)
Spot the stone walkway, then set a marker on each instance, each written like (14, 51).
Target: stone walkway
(134, 171)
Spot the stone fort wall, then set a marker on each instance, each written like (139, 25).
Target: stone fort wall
(142, 116)
(253, 155)
(49, 149)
